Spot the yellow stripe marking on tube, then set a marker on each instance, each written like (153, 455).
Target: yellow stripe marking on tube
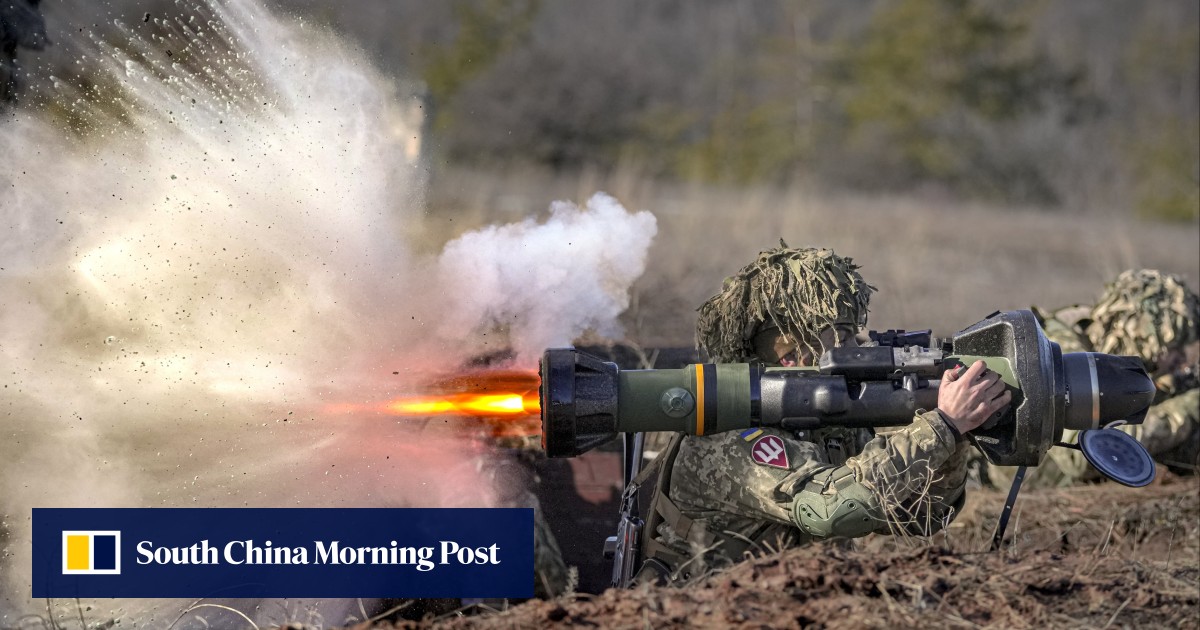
(699, 399)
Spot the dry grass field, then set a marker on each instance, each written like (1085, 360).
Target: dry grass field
(937, 263)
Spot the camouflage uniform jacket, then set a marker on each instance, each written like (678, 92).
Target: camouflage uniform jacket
(833, 483)
(1170, 431)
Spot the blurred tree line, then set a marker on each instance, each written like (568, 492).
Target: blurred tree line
(1045, 102)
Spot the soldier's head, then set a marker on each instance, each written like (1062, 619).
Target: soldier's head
(785, 308)
(1149, 314)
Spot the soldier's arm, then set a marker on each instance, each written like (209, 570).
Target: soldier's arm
(1168, 424)
(910, 480)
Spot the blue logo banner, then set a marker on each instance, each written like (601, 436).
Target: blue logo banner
(284, 552)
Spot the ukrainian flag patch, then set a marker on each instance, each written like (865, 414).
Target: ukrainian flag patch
(750, 434)
(91, 553)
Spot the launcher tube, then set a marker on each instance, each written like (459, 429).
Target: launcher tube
(586, 402)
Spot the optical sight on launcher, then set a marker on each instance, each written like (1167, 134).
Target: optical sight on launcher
(587, 402)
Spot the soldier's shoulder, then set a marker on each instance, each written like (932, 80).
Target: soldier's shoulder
(1075, 315)
(1065, 326)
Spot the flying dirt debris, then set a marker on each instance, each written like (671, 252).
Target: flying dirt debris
(208, 257)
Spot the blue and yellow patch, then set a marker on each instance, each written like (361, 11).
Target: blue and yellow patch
(750, 434)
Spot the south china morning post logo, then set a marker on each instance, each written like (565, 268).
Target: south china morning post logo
(283, 552)
(250, 552)
(91, 553)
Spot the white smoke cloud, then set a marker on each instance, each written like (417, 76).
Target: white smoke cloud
(193, 282)
(547, 283)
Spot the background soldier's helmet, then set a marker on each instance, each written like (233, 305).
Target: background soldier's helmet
(799, 291)
(1144, 313)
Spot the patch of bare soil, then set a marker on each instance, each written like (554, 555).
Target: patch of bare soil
(1095, 557)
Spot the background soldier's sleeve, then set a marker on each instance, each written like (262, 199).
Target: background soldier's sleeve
(1169, 433)
(911, 480)
(1063, 328)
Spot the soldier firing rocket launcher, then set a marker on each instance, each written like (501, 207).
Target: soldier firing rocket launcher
(586, 402)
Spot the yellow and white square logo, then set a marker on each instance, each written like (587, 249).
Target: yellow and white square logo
(91, 553)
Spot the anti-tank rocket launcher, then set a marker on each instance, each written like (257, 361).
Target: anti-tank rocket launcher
(586, 402)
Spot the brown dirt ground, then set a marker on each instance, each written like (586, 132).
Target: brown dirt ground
(1100, 556)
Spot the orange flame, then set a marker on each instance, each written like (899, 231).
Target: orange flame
(478, 405)
(506, 400)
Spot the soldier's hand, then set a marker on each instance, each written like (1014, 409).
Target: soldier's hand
(969, 396)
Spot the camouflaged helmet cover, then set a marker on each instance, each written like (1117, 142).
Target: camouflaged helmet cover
(1144, 313)
(799, 291)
